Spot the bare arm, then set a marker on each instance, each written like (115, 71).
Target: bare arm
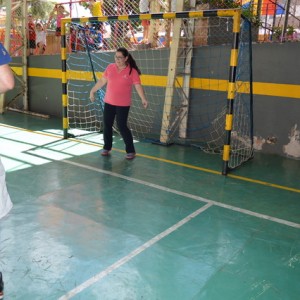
(66, 13)
(51, 16)
(7, 80)
(100, 84)
(141, 93)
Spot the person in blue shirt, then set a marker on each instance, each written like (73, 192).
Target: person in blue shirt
(7, 83)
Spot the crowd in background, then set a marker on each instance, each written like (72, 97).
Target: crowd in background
(43, 35)
(90, 35)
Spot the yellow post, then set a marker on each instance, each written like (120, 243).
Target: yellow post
(231, 89)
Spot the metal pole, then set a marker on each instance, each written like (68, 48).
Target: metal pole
(24, 56)
(187, 74)
(286, 19)
(231, 91)
(274, 19)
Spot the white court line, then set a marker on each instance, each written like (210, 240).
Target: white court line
(187, 195)
(132, 254)
(165, 233)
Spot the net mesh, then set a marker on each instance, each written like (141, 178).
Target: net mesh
(185, 66)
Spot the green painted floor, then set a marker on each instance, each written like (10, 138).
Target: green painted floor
(164, 226)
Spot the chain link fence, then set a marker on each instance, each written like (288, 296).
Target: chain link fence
(272, 21)
(16, 34)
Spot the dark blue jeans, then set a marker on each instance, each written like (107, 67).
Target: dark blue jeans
(121, 114)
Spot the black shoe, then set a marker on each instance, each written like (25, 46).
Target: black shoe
(1, 286)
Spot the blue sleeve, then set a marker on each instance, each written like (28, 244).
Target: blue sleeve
(4, 56)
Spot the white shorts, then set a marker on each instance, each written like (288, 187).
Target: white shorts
(5, 202)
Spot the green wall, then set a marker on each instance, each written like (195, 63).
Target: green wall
(276, 111)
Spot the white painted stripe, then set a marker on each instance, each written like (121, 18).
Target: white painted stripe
(132, 254)
(187, 195)
(165, 233)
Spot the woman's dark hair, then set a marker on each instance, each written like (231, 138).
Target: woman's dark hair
(131, 62)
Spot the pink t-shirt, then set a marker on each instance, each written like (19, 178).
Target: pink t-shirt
(58, 20)
(119, 85)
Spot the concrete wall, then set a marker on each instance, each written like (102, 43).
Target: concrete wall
(277, 117)
(276, 77)
(44, 93)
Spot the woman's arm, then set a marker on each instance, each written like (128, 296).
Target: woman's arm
(7, 80)
(141, 93)
(51, 16)
(100, 84)
(66, 13)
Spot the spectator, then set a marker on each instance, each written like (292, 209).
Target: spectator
(173, 5)
(31, 35)
(96, 8)
(98, 39)
(96, 11)
(60, 12)
(73, 39)
(110, 8)
(144, 6)
(40, 38)
(90, 43)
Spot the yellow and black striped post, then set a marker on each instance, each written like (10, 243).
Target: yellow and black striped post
(231, 89)
(64, 78)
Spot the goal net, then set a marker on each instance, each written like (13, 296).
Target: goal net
(196, 73)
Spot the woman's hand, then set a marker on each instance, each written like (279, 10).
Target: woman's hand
(145, 103)
(100, 83)
(141, 93)
(92, 96)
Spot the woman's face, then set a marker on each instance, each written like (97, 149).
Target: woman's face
(120, 59)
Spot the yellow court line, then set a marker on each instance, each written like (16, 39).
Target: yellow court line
(180, 164)
(242, 178)
(265, 183)
(277, 186)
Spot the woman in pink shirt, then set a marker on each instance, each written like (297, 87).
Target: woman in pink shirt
(119, 77)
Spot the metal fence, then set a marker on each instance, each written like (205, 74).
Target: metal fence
(272, 20)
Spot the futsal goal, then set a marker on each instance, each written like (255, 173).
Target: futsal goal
(196, 73)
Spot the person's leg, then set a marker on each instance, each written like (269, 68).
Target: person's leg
(145, 24)
(122, 116)
(108, 122)
(1, 286)
(38, 45)
(42, 47)
(57, 39)
(32, 46)
(146, 31)
(146, 34)
(5, 201)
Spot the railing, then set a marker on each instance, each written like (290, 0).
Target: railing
(271, 21)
